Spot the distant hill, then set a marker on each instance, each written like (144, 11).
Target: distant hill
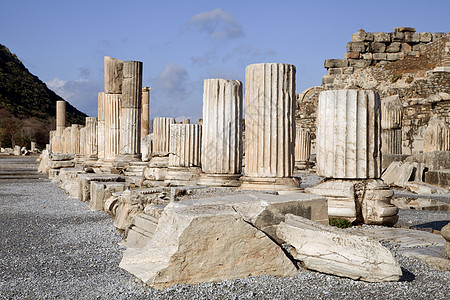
(27, 106)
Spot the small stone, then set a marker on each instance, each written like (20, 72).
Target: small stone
(404, 29)
(393, 47)
(336, 63)
(382, 37)
(425, 37)
(397, 36)
(356, 47)
(351, 55)
(378, 47)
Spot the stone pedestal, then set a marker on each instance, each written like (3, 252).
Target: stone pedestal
(222, 133)
(269, 127)
(91, 138)
(101, 126)
(348, 134)
(145, 115)
(112, 126)
(437, 136)
(391, 125)
(302, 148)
(184, 157)
(130, 117)
(161, 135)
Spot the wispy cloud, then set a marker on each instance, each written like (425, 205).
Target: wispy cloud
(173, 80)
(84, 72)
(218, 24)
(81, 93)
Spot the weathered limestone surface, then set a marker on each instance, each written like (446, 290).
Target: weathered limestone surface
(367, 201)
(436, 136)
(348, 134)
(194, 236)
(75, 139)
(399, 173)
(62, 156)
(66, 139)
(391, 112)
(113, 75)
(302, 147)
(336, 251)
(101, 126)
(84, 183)
(147, 147)
(112, 125)
(270, 127)
(438, 177)
(434, 160)
(58, 164)
(60, 117)
(145, 116)
(91, 138)
(82, 141)
(161, 135)
(100, 191)
(222, 132)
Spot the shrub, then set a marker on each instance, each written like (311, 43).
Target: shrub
(340, 222)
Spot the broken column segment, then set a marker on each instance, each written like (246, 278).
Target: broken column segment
(75, 140)
(222, 132)
(185, 154)
(130, 113)
(391, 125)
(161, 135)
(101, 126)
(437, 136)
(349, 154)
(57, 143)
(91, 138)
(145, 115)
(302, 148)
(269, 127)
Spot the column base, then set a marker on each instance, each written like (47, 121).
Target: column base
(303, 165)
(219, 180)
(281, 185)
(182, 176)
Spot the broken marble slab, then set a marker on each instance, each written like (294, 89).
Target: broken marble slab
(84, 183)
(100, 191)
(398, 173)
(419, 187)
(339, 252)
(62, 156)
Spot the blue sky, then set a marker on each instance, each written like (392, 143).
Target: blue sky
(183, 42)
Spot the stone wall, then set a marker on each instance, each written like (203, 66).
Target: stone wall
(415, 66)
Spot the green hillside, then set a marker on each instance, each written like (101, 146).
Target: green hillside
(27, 106)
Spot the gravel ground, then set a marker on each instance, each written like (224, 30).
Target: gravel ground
(55, 247)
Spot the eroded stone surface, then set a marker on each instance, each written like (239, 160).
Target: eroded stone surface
(335, 251)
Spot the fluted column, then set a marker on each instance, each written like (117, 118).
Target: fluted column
(75, 139)
(112, 125)
(91, 138)
(161, 135)
(222, 132)
(348, 134)
(437, 136)
(145, 115)
(66, 138)
(269, 127)
(130, 117)
(101, 126)
(185, 154)
(302, 148)
(391, 125)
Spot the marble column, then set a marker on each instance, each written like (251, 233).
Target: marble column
(161, 135)
(391, 125)
(222, 132)
(145, 115)
(33, 147)
(66, 137)
(270, 127)
(302, 148)
(82, 142)
(349, 155)
(75, 139)
(51, 140)
(101, 126)
(130, 115)
(91, 138)
(348, 134)
(113, 75)
(185, 154)
(112, 126)
(436, 136)
(60, 117)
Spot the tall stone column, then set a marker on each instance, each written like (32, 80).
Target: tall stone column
(348, 134)
(91, 138)
(222, 132)
(269, 127)
(113, 75)
(82, 142)
(75, 139)
(51, 139)
(185, 154)
(437, 136)
(66, 140)
(60, 117)
(112, 126)
(349, 154)
(101, 126)
(161, 135)
(391, 125)
(145, 116)
(302, 148)
(130, 115)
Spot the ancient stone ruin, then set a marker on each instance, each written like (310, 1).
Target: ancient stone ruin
(224, 198)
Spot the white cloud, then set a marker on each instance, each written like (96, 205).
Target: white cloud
(173, 81)
(81, 93)
(218, 24)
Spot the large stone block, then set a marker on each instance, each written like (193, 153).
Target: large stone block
(338, 252)
(348, 134)
(84, 183)
(113, 75)
(438, 177)
(100, 191)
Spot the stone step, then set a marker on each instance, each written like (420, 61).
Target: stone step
(146, 223)
(137, 238)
